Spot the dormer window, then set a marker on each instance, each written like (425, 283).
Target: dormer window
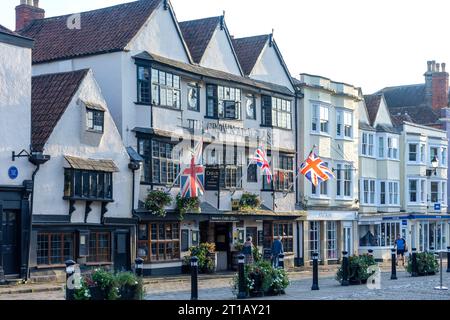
(95, 120)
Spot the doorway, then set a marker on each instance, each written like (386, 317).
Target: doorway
(10, 242)
(122, 251)
(222, 239)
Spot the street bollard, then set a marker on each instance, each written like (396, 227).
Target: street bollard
(432, 250)
(441, 287)
(345, 271)
(242, 288)
(315, 285)
(70, 271)
(370, 252)
(394, 265)
(448, 259)
(414, 272)
(139, 267)
(281, 261)
(194, 278)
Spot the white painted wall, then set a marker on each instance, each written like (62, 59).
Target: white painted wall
(15, 111)
(159, 36)
(383, 115)
(66, 139)
(219, 54)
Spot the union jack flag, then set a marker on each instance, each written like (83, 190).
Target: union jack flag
(261, 160)
(193, 177)
(315, 170)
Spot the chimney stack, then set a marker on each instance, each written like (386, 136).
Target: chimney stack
(27, 12)
(436, 85)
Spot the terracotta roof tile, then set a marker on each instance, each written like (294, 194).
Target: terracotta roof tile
(248, 51)
(50, 96)
(103, 30)
(198, 34)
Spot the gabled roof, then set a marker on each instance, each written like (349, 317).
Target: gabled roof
(249, 50)
(373, 105)
(11, 37)
(103, 30)
(399, 119)
(197, 34)
(51, 94)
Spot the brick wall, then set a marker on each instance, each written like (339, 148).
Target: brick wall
(26, 14)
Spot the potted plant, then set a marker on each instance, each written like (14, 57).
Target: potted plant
(187, 205)
(206, 254)
(130, 286)
(426, 264)
(249, 202)
(358, 266)
(156, 202)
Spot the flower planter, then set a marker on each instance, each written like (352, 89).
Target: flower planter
(128, 293)
(97, 293)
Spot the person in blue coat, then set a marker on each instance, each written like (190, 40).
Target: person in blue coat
(277, 249)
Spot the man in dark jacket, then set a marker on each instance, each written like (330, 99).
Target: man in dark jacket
(277, 249)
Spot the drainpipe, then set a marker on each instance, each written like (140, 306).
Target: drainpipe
(38, 159)
(134, 166)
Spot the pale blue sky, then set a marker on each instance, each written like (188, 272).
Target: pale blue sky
(369, 43)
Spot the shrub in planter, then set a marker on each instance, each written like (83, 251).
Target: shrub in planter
(156, 202)
(249, 202)
(106, 282)
(358, 266)
(427, 264)
(262, 279)
(187, 205)
(130, 286)
(205, 253)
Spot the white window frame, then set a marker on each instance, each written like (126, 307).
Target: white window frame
(344, 119)
(318, 190)
(331, 241)
(381, 147)
(313, 228)
(420, 192)
(371, 192)
(393, 147)
(341, 171)
(316, 118)
(368, 144)
(417, 145)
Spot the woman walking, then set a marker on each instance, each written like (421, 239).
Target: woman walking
(248, 251)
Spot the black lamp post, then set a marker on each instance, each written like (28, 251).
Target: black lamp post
(434, 165)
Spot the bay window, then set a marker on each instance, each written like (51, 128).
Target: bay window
(276, 112)
(344, 124)
(344, 177)
(88, 185)
(443, 157)
(413, 190)
(223, 102)
(284, 174)
(381, 147)
(434, 153)
(165, 163)
(143, 84)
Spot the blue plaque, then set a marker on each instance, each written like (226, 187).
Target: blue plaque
(13, 173)
(437, 207)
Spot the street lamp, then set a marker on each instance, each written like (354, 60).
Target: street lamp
(434, 165)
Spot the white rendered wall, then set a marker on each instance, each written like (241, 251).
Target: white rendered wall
(66, 140)
(15, 111)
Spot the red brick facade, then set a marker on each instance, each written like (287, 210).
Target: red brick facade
(439, 90)
(26, 14)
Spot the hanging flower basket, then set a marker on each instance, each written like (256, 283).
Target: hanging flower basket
(157, 201)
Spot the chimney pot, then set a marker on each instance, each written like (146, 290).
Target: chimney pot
(433, 66)
(438, 67)
(36, 3)
(429, 63)
(443, 65)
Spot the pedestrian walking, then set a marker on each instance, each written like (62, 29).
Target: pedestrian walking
(277, 249)
(247, 250)
(400, 245)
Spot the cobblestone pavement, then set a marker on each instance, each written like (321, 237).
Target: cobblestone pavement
(405, 288)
